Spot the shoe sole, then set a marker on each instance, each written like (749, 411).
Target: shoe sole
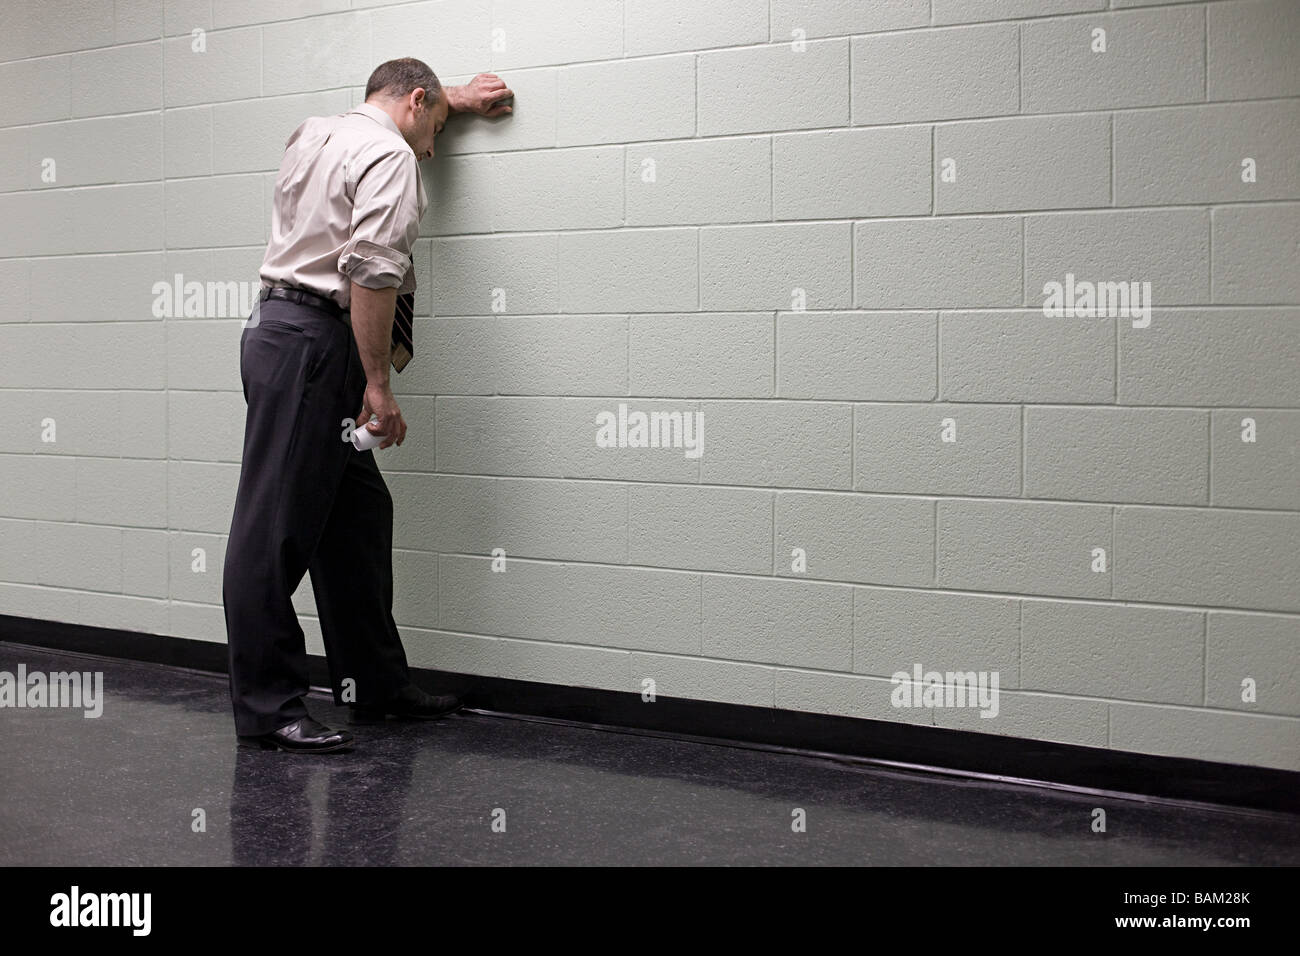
(378, 718)
(256, 744)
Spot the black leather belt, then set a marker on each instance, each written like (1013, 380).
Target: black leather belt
(303, 297)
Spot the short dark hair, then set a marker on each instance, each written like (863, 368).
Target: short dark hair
(398, 77)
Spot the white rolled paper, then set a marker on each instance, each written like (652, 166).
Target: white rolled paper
(363, 438)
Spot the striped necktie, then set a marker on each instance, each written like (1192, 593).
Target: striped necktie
(404, 329)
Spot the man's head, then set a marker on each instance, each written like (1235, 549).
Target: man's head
(408, 91)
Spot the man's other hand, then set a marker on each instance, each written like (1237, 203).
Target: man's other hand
(379, 401)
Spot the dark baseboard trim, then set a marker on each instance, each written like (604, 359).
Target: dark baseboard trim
(895, 745)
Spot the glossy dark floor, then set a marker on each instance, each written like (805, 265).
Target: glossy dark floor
(124, 788)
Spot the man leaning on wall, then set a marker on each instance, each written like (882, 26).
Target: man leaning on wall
(333, 316)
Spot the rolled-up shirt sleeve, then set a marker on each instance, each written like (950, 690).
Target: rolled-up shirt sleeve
(385, 223)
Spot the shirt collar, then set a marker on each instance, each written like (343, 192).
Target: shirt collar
(379, 116)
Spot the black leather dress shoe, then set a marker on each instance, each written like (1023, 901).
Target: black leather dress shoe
(411, 702)
(302, 736)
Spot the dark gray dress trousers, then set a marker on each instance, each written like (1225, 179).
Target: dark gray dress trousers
(308, 502)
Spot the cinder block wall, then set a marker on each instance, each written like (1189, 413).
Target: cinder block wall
(826, 227)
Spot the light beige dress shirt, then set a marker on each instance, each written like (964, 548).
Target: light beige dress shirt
(347, 207)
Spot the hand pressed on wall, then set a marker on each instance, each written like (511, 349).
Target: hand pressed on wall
(486, 95)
